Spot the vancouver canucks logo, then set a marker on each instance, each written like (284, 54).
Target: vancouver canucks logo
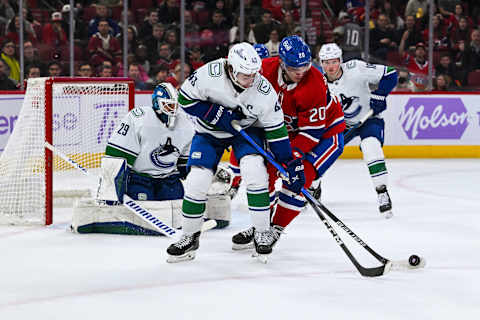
(347, 103)
(159, 155)
(240, 54)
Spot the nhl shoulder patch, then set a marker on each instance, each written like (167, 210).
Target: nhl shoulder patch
(351, 64)
(264, 87)
(215, 69)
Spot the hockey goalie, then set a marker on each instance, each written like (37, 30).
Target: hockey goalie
(146, 158)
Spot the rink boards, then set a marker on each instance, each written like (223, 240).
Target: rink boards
(435, 125)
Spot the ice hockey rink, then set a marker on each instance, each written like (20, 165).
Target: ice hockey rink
(50, 273)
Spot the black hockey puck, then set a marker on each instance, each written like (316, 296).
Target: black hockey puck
(414, 260)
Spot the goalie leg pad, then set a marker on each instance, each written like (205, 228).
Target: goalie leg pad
(90, 217)
(218, 209)
(113, 179)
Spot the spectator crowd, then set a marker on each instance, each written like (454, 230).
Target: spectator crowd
(398, 37)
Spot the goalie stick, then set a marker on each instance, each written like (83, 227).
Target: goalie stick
(131, 204)
(366, 272)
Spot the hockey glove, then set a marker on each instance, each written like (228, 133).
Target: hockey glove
(296, 177)
(378, 103)
(222, 117)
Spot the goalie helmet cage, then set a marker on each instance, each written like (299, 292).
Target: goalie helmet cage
(77, 117)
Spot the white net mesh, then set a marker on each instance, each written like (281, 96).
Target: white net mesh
(84, 116)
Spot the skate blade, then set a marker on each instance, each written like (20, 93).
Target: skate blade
(185, 257)
(238, 247)
(263, 258)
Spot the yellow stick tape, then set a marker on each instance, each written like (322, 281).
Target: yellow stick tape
(353, 152)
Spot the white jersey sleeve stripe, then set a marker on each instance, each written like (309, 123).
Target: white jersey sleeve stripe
(309, 136)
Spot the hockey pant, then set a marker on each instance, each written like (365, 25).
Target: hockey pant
(205, 154)
(316, 163)
(141, 187)
(371, 134)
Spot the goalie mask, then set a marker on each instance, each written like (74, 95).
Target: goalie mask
(164, 102)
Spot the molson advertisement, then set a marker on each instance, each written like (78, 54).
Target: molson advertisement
(429, 125)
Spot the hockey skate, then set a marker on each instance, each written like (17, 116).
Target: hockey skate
(264, 242)
(184, 249)
(384, 202)
(243, 240)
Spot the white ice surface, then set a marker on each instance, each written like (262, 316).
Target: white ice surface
(50, 273)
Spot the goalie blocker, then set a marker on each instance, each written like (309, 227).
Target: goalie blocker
(161, 197)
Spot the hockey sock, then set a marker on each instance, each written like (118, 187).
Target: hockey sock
(192, 212)
(378, 172)
(375, 160)
(290, 204)
(234, 166)
(259, 206)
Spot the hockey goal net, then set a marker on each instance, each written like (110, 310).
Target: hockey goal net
(76, 116)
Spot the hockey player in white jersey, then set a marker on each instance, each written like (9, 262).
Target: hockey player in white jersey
(145, 157)
(218, 93)
(350, 82)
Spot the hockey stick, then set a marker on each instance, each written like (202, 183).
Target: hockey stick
(357, 125)
(367, 272)
(130, 204)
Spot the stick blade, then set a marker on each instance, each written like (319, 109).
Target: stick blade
(375, 272)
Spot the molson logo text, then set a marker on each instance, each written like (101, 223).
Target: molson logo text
(434, 118)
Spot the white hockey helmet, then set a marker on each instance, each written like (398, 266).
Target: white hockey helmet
(243, 58)
(164, 102)
(330, 51)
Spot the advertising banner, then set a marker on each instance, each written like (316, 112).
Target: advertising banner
(413, 123)
(10, 105)
(432, 119)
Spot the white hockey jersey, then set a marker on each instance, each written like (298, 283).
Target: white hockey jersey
(353, 90)
(148, 145)
(211, 83)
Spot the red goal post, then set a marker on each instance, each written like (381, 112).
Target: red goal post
(77, 117)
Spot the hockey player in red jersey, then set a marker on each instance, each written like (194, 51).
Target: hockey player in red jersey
(314, 120)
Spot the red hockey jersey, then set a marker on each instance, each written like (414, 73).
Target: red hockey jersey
(311, 113)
